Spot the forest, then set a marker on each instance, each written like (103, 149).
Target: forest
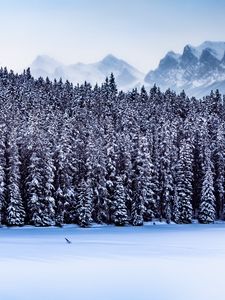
(78, 154)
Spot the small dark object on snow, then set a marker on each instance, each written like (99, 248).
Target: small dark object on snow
(154, 223)
(68, 241)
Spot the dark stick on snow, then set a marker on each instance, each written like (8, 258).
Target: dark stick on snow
(68, 241)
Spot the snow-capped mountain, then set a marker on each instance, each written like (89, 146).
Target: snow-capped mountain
(197, 70)
(126, 76)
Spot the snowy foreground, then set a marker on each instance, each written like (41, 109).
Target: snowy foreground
(162, 262)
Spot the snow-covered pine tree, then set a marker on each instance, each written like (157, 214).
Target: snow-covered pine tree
(176, 207)
(15, 212)
(148, 185)
(112, 88)
(111, 162)
(119, 210)
(124, 168)
(48, 199)
(84, 203)
(64, 189)
(207, 211)
(166, 177)
(215, 102)
(2, 173)
(219, 159)
(184, 178)
(138, 201)
(34, 190)
(40, 179)
(96, 173)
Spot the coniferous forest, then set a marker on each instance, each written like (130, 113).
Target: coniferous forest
(83, 154)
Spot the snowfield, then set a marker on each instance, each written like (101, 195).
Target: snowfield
(162, 262)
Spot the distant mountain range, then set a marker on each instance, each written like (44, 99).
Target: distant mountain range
(197, 70)
(126, 76)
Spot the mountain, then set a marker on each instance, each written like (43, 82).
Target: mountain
(126, 76)
(44, 66)
(197, 70)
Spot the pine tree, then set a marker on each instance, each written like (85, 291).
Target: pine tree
(147, 179)
(119, 209)
(48, 199)
(166, 177)
(138, 201)
(110, 163)
(219, 158)
(2, 173)
(207, 212)
(176, 207)
(34, 191)
(84, 204)
(184, 184)
(15, 213)
(40, 179)
(96, 173)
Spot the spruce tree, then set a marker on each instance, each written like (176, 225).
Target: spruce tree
(2, 174)
(119, 209)
(84, 203)
(184, 180)
(15, 213)
(207, 212)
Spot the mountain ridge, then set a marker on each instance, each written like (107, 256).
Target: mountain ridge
(126, 75)
(196, 70)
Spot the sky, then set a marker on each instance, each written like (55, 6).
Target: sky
(138, 31)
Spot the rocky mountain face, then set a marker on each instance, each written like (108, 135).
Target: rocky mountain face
(197, 70)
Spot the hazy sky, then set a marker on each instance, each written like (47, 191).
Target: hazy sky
(139, 31)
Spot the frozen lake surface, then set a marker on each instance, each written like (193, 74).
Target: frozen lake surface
(162, 262)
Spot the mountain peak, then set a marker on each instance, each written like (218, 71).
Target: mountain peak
(126, 75)
(169, 61)
(188, 57)
(111, 63)
(110, 58)
(188, 49)
(196, 71)
(45, 59)
(173, 54)
(217, 48)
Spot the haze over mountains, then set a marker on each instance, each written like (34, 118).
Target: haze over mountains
(127, 77)
(197, 70)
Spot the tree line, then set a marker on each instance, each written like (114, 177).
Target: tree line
(81, 154)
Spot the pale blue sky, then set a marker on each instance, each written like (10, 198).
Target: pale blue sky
(139, 31)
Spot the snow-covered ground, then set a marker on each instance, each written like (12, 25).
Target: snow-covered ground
(177, 262)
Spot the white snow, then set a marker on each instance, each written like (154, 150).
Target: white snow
(167, 262)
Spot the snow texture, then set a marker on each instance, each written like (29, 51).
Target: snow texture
(114, 263)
